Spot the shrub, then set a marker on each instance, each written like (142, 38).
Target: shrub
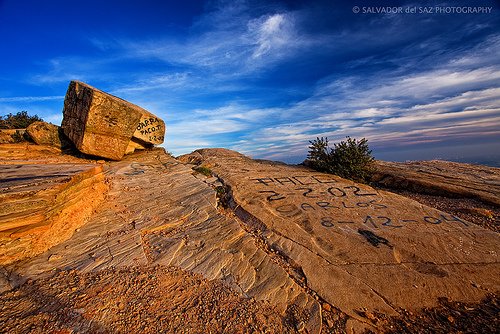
(350, 159)
(203, 170)
(318, 156)
(21, 120)
(18, 137)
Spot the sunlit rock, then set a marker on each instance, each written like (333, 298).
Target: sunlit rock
(104, 125)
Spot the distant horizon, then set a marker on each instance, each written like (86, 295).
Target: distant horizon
(489, 159)
(420, 81)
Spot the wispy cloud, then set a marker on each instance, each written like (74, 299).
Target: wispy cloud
(31, 98)
(446, 103)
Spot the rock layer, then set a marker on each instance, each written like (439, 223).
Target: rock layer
(42, 205)
(103, 125)
(441, 178)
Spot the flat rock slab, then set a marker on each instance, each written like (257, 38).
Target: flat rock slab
(16, 178)
(442, 177)
(28, 153)
(361, 250)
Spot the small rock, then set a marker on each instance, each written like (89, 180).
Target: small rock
(301, 326)
(54, 257)
(44, 133)
(327, 307)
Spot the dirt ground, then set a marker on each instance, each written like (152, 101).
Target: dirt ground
(169, 300)
(448, 317)
(136, 300)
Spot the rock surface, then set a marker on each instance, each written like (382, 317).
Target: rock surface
(103, 125)
(42, 204)
(176, 223)
(441, 178)
(334, 254)
(44, 133)
(362, 250)
(28, 153)
(9, 136)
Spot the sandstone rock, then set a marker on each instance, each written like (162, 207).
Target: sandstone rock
(194, 158)
(29, 153)
(42, 205)
(289, 236)
(361, 250)
(103, 125)
(441, 178)
(44, 133)
(158, 213)
(9, 136)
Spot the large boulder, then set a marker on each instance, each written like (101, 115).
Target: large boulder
(104, 125)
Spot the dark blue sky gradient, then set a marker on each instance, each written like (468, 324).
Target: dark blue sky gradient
(265, 77)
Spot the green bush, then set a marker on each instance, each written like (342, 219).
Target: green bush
(203, 170)
(18, 137)
(350, 159)
(21, 120)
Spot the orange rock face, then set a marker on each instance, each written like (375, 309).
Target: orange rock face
(42, 205)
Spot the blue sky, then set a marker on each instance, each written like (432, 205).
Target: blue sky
(265, 77)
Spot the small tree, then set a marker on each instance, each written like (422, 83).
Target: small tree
(318, 156)
(349, 159)
(21, 120)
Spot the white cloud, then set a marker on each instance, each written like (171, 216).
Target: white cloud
(272, 34)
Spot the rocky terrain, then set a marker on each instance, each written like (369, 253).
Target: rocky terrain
(470, 192)
(215, 242)
(237, 245)
(437, 177)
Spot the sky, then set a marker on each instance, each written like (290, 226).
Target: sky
(418, 79)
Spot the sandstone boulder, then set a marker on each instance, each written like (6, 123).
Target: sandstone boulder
(103, 125)
(44, 133)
